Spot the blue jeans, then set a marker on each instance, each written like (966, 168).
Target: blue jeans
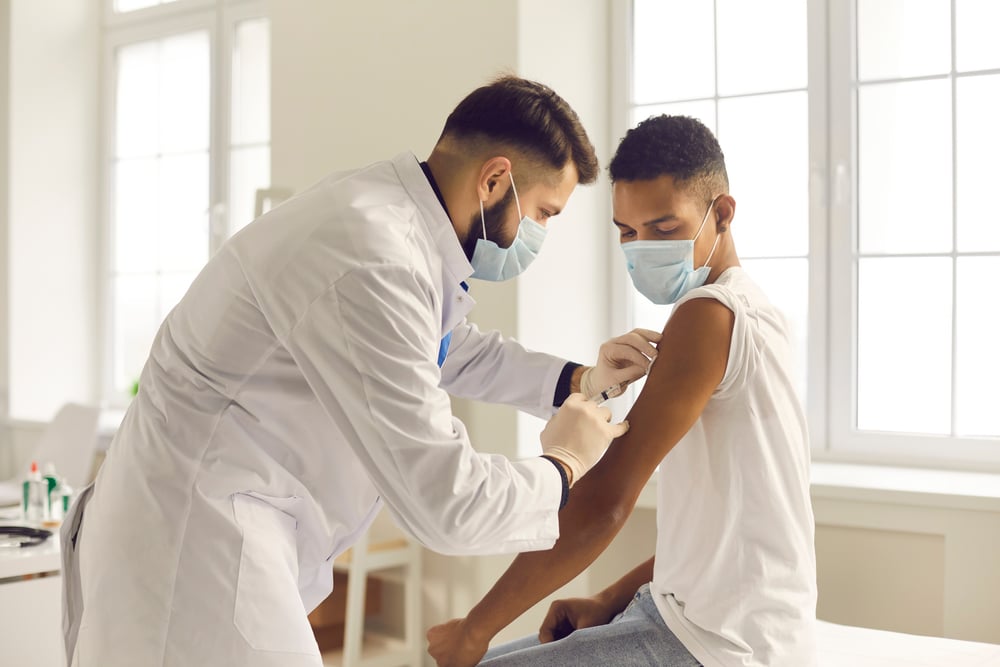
(637, 637)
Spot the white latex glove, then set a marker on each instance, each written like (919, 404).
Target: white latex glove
(578, 434)
(621, 360)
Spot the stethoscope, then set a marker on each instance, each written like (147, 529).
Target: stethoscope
(15, 537)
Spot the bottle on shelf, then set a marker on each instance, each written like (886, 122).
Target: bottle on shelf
(51, 482)
(35, 508)
(62, 498)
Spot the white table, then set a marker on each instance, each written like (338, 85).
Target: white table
(31, 604)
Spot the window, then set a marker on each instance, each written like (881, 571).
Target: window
(860, 139)
(188, 146)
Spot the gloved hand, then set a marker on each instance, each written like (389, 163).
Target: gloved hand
(578, 434)
(620, 360)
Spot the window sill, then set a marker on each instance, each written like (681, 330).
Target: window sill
(906, 486)
(890, 485)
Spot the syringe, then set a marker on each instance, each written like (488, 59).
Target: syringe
(613, 391)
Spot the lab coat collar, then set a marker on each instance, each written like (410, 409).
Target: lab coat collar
(438, 224)
(455, 266)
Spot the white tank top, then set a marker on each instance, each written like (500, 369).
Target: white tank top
(735, 571)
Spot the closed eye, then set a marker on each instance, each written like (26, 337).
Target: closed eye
(625, 231)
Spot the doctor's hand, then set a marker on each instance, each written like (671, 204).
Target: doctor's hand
(567, 616)
(452, 644)
(620, 360)
(579, 433)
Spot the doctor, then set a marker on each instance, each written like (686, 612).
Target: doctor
(303, 382)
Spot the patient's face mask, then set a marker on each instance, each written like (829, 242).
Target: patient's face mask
(491, 262)
(663, 271)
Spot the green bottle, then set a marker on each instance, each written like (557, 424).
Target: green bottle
(51, 482)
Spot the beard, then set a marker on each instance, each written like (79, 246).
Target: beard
(495, 216)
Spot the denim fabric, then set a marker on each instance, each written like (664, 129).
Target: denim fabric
(637, 637)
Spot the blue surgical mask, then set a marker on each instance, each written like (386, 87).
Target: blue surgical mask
(663, 271)
(491, 262)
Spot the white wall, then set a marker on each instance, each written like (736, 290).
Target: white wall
(52, 233)
(907, 562)
(5, 463)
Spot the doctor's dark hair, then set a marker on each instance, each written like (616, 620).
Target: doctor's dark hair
(677, 146)
(528, 117)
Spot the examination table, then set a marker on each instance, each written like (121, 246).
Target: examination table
(844, 646)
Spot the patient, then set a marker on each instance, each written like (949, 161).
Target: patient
(733, 579)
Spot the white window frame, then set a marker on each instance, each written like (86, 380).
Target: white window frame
(833, 209)
(218, 18)
(846, 443)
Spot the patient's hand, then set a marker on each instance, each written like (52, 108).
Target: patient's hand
(571, 614)
(451, 644)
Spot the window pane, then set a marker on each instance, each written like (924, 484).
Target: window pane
(249, 170)
(978, 169)
(183, 212)
(901, 38)
(904, 154)
(251, 117)
(904, 344)
(762, 45)
(136, 322)
(131, 5)
(786, 284)
(978, 358)
(135, 214)
(766, 142)
(673, 50)
(184, 92)
(703, 110)
(137, 111)
(976, 45)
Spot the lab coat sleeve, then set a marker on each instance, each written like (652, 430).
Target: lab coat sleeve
(368, 348)
(488, 367)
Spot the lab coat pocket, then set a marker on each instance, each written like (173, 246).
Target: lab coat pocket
(269, 611)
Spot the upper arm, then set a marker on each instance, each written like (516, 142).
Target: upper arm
(691, 362)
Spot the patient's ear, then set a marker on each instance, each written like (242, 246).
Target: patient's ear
(725, 211)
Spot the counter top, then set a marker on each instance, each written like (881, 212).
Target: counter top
(45, 557)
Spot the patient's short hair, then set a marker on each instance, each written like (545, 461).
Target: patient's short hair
(528, 117)
(677, 146)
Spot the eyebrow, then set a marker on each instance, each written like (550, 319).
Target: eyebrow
(670, 217)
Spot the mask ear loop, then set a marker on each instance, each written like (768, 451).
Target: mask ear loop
(482, 218)
(717, 236)
(516, 200)
(712, 251)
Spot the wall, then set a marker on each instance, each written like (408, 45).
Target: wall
(909, 563)
(52, 233)
(5, 462)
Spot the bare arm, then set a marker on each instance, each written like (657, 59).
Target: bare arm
(692, 361)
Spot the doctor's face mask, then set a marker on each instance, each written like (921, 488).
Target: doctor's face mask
(490, 261)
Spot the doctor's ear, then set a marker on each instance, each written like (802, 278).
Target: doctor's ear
(494, 171)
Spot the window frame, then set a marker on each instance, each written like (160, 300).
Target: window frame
(845, 441)
(219, 18)
(831, 399)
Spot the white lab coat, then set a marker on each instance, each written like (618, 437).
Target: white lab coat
(293, 390)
